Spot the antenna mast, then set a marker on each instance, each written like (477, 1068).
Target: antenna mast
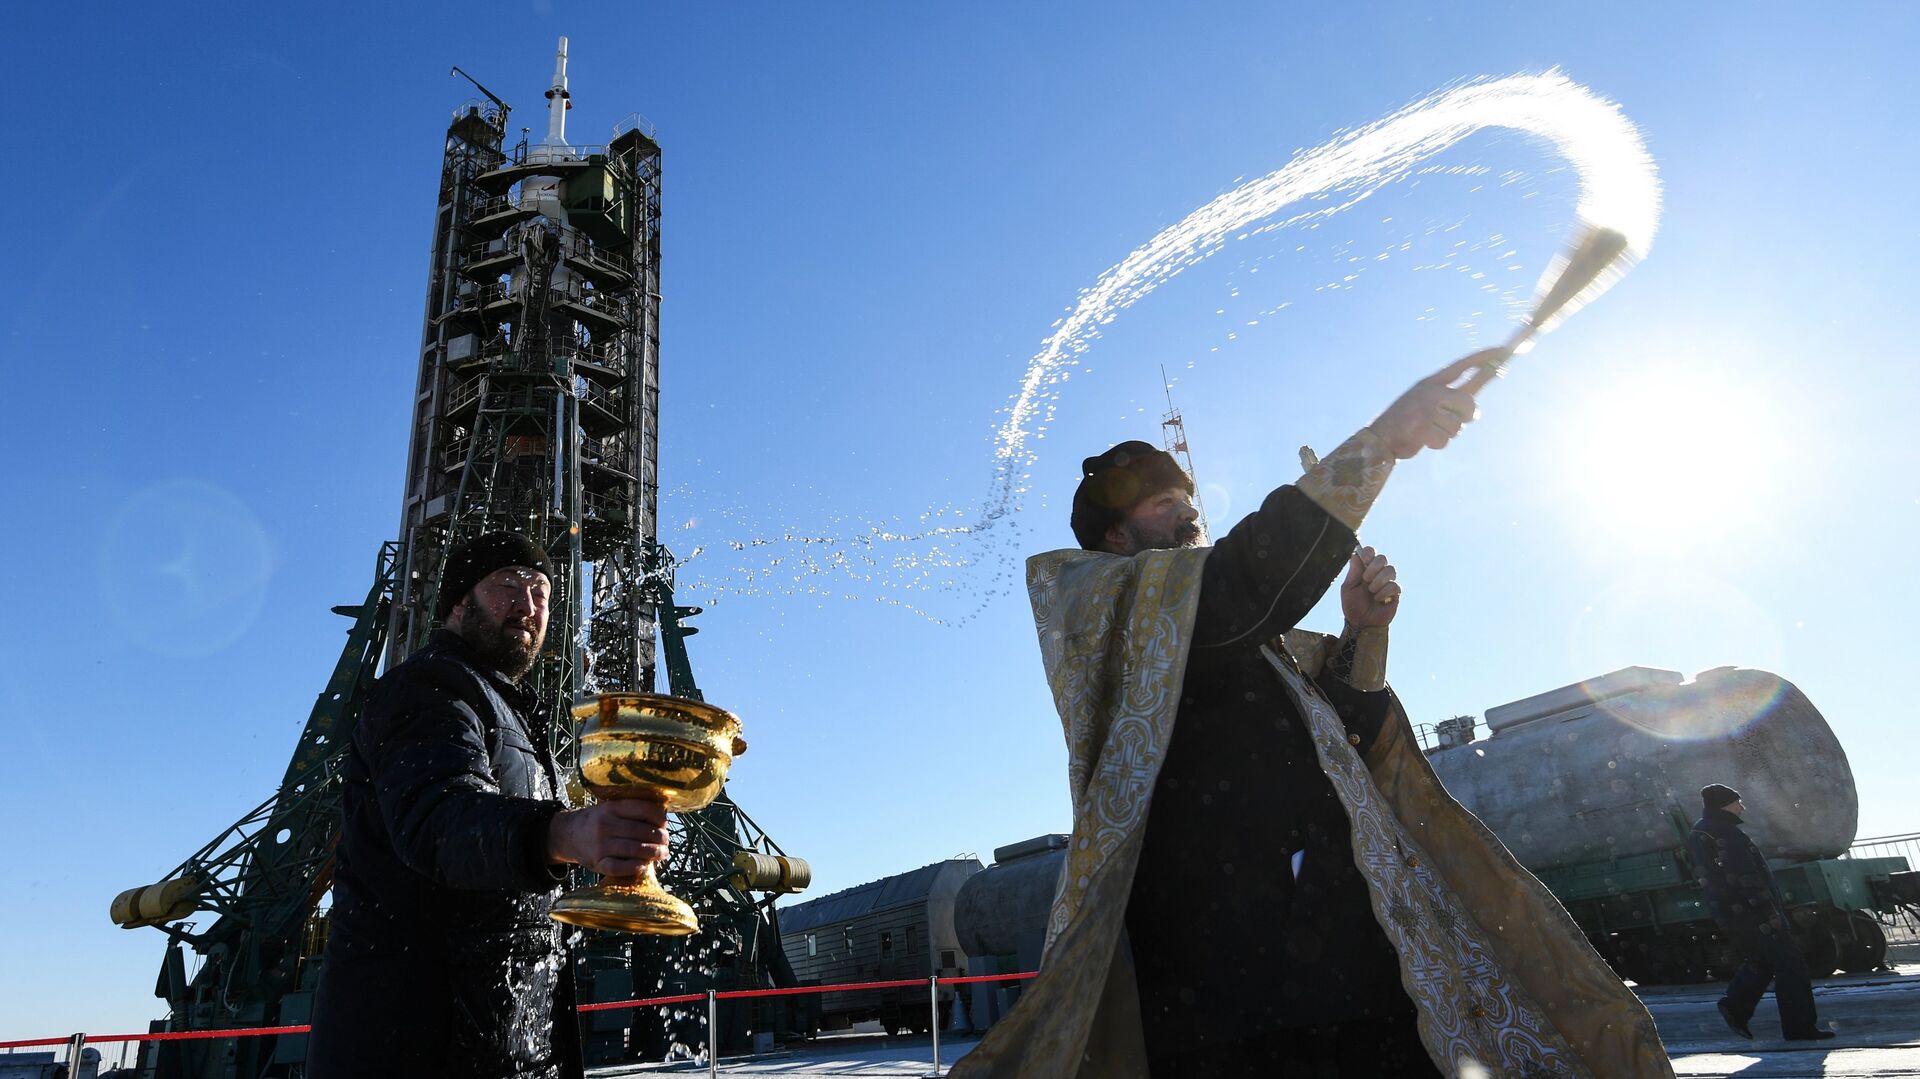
(1173, 434)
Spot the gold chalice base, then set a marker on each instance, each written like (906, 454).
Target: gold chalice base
(642, 745)
(628, 906)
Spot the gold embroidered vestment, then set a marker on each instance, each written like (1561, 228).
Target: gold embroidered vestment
(1501, 977)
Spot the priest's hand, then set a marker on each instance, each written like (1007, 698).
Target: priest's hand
(1430, 415)
(1370, 596)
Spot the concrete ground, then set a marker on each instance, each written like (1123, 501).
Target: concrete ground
(1876, 1018)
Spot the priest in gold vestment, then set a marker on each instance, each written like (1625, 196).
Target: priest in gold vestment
(1276, 884)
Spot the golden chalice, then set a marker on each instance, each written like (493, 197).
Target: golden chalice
(669, 750)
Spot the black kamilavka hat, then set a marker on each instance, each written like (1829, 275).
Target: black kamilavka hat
(1118, 480)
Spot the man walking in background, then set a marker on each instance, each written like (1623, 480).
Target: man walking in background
(1746, 903)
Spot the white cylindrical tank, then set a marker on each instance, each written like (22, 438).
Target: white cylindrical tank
(1002, 910)
(1613, 767)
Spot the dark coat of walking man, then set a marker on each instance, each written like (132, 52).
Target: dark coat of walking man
(441, 958)
(1746, 903)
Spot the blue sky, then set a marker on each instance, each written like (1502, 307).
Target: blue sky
(874, 213)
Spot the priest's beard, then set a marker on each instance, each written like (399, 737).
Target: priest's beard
(1147, 537)
(498, 641)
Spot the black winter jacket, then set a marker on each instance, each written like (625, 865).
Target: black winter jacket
(1739, 886)
(441, 958)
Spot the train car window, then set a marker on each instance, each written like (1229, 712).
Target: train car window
(847, 934)
(886, 942)
(813, 947)
(946, 957)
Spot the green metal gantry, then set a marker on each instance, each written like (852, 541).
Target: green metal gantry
(536, 408)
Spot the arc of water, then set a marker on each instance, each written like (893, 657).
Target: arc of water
(1618, 190)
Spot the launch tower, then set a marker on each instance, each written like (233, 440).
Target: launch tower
(538, 400)
(536, 408)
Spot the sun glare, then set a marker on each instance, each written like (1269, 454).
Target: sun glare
(1671, 459)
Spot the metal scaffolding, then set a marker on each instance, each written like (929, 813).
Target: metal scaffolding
(536, 408)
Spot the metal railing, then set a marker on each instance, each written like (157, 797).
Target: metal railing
(634, 122)
(583, 252)
(606, 354)
(482, 295)
(461, 397)
(606, 303)
(495, 205)
(535, 154)
(1903, 927)
(611, 451)
(499, 354)
(76, 1044)
(575, 245)
(483, 250)
(609, 399)
(473, 106)
(1888, 846)
(604, 506)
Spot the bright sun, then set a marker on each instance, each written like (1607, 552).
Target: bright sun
(1671, 459)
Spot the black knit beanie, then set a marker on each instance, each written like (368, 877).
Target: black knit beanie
(471, 562)
(1115, 482)
(1713, 796)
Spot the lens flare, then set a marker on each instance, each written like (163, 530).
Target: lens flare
(1675, 615)
(184, 568)
(1737, 700)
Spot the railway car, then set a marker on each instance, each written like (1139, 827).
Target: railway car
(894, 928)
(1000, 917)
(1594, 787)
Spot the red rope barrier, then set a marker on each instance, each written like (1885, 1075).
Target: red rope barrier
(163, 1036)
(195, 1035)
(898, 983)
(991, 978)
(604, 1006)
(611, 1005)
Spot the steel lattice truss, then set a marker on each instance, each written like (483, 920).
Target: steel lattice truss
(536, 409)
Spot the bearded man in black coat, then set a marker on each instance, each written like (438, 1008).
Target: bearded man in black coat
(441, 959)
(1746, 903)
